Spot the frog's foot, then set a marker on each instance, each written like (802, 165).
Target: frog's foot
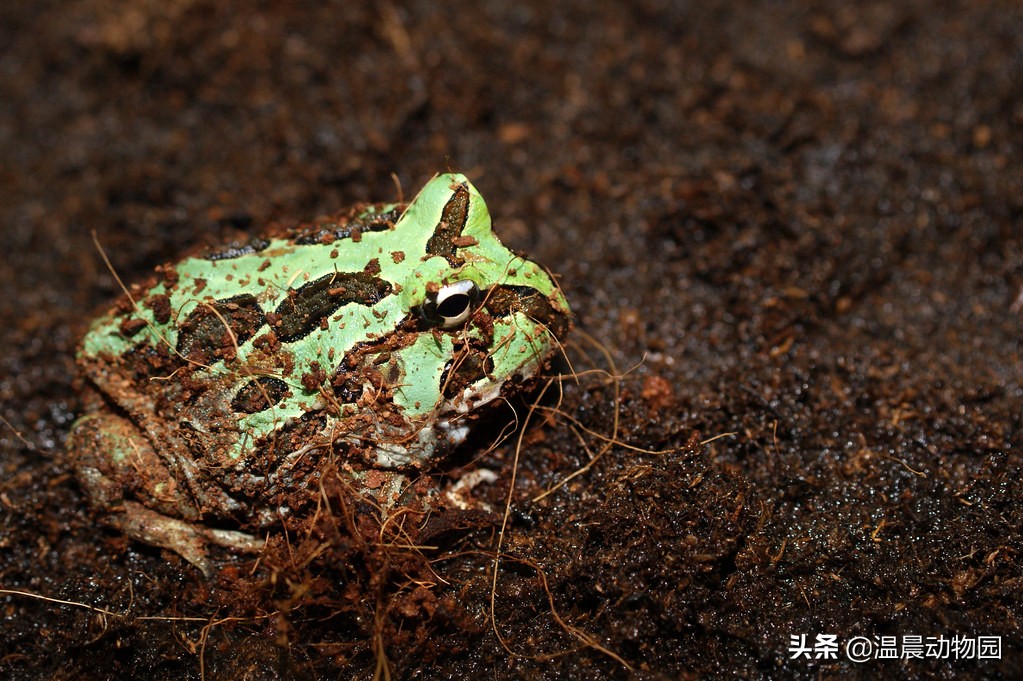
(189, 540)
(233, 539)
(460, 493)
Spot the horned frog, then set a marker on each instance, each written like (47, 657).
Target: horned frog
(377, 336)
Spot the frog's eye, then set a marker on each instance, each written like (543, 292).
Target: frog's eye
(453, 304)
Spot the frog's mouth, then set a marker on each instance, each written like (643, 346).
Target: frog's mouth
(453, 426)
(453, 420)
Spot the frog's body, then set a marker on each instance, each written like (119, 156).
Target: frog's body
(373, 337)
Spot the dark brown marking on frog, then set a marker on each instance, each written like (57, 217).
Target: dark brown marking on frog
(448, 231)
(203, 337)
(145, 361)
(237, 249)
(329, 232)
(350, 374)
(259, 395)
(370, 361)
(503, 301)
(307, 307)
(268, 454)
(347, 387)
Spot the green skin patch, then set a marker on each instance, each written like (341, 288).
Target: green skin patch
(375, 335)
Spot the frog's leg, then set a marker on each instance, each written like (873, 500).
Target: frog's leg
(124, 477)
(186, 539)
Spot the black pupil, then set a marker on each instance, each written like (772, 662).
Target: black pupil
(453, 305)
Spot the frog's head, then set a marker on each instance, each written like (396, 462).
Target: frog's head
(481, 319)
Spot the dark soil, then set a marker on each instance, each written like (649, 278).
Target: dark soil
(799, 231)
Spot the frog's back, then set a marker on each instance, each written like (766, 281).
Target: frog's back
(331, 318)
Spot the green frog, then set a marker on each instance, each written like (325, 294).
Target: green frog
(376, 337)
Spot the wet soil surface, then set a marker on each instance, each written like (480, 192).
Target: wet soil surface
(793, 241)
